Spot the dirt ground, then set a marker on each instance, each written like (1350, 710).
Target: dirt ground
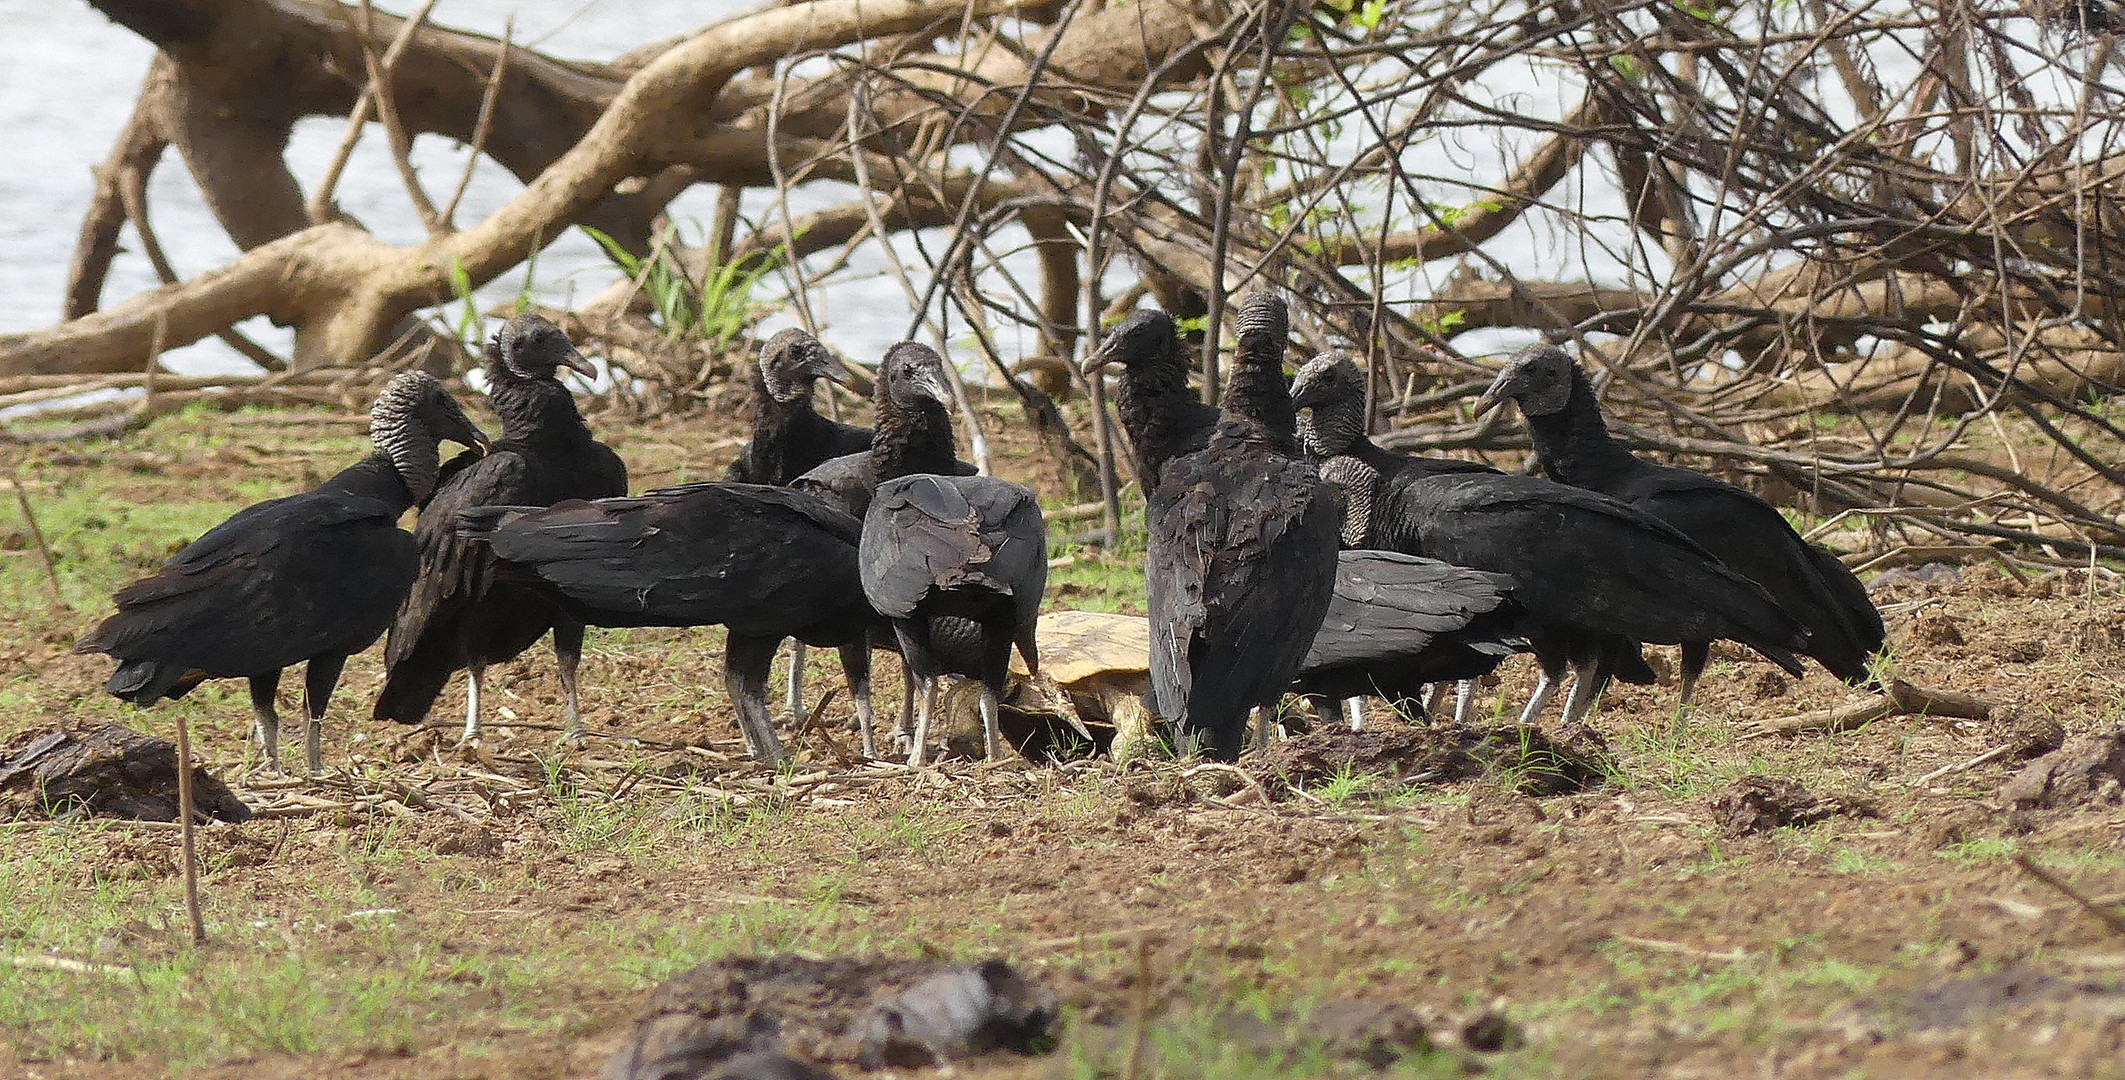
(1696, 901)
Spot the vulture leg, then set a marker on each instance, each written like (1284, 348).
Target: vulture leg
(1545, 688)
(907, 707)
(991, 729)
(1262, 723)
(856, 664)
(1435, 702)
(923, 710)
(473, 674)
(319, 679)
(1354, 713)
(794, 696)
(1464, 702)
(1695, 654)
(1588, 679)
(267, 723)
(568, 649)
(746, 663)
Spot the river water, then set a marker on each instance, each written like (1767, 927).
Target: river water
(71, 77)
(68, 88)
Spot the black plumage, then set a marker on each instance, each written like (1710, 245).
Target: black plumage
(1241, 559)
(914, 433)
(1593, 575)
(764, 562)
(459, 614)
(1573, 443)
(312, 577)
(1163, 418)
(1398, 623)
(957, 563)
(789, 436)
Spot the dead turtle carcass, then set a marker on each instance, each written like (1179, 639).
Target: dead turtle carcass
(1098, 665)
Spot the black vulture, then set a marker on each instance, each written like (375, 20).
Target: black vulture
(459, 614)
(1329, 392)
(958, 563)
(1241, 560)
(789, 436)
(1164, 420)
(1594, 576)
(914, 433)
(312, 577)
(765, 562)
(1574, 446)
(1398, 623)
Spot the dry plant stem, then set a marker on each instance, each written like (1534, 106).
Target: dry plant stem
(380, 73)
(71, 967)
(185, 814)
(319, 208)
(1139, 1010)
(1733, 956)
(1902, 699)
(484, 124)
(44, 547)
(154, 365)
(2111, 919)
(1993, 754)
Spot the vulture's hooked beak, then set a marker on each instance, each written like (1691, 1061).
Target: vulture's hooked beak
(573, 360)
(826, 365)
(1097, 360)
(930, 383)
(1500, 390)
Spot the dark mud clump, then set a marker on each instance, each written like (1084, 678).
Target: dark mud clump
(1754, 804)
(2085, 770)
(110, 770)
(1374, 1033)
(955, 1014)
(777, 1016)
(2017, 990)
(1525, 759)
(1366, 1032)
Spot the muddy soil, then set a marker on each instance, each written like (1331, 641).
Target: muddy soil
(1661, 895)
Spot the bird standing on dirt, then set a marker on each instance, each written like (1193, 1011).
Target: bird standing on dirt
(459, 614)
(1164, 420)
(1573, 442)
(958, 563)
(790, 437)
(1241, 560)
(765, 562)
(1398, 623)
(312, 577)
(1594, 576)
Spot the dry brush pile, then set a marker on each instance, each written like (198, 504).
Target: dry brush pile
(1855, 249)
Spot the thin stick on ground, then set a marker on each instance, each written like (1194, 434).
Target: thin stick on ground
(44, 547)
(2107, 917)
(1902, 699)
(184, 831)
(1139, 1010)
